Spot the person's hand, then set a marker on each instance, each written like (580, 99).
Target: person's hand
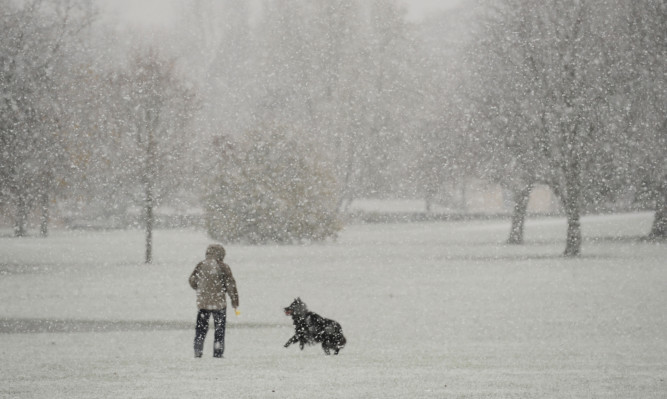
(237, 312)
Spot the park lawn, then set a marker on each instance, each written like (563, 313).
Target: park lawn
(430, 310)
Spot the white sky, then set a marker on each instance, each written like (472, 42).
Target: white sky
(159, 12)
(419, 8)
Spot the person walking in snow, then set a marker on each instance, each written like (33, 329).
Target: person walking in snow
(213, 280)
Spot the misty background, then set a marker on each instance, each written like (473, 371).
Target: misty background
(278, 121)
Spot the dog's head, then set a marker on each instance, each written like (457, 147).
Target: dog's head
(296, 308)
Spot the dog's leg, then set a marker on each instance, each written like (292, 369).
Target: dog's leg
(292, 340)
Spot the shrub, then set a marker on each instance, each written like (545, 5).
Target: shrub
(272, 189)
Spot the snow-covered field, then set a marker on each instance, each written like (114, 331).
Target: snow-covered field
(429, 310)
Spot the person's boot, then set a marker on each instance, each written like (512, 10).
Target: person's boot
(218, 349)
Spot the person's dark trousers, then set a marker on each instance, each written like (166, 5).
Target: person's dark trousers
(219, 320)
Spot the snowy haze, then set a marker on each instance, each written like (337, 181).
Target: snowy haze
(152, 108)
(478, 195)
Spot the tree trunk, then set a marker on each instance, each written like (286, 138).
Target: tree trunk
(347, 195)
(44, 219)
(463, 198)
(150, 176)
(659, 228)
(20, 226)
(149, 226)
(521, 198)
(571, 202)
(573, 240)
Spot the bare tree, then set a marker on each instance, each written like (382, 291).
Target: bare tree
(151, 111)
(647, 91)
(555, 60)
(506, 117)
(34, 49)
(346, 68)
(216, 40)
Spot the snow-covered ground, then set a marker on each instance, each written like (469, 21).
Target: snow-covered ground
(429, 310)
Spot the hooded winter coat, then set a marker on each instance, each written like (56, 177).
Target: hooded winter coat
(212, 278)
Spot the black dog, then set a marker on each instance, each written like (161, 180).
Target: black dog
(311, 328)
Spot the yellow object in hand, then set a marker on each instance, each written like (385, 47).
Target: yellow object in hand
(238, 312)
